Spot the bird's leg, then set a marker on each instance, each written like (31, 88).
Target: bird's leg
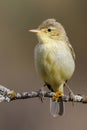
(71, 94)
(41, 94)
(45, 85)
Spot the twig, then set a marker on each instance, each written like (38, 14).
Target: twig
(10, 95)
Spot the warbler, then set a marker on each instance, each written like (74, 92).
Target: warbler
(54, 60)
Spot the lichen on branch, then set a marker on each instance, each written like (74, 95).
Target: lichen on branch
(8, 95)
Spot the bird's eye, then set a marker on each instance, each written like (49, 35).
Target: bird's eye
(49, 30)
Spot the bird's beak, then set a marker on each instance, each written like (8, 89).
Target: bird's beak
(35, 30)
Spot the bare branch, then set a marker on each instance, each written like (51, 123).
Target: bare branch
(10, 95)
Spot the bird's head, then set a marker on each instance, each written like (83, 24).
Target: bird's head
(50, 31)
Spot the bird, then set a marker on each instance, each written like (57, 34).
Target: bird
(54, 60)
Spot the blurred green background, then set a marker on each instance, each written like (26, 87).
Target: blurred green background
(17, 62)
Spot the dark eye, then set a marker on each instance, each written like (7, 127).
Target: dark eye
(49, 30)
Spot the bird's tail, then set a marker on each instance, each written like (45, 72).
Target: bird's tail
(56, 108)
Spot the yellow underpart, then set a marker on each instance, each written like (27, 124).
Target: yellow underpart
(57, 95)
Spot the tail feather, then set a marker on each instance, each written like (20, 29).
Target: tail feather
(56, 108)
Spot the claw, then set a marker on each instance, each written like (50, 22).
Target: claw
(41, 94)
(71, 94)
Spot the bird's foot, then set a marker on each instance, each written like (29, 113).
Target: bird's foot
(58, 95)
(41, 94)
(71, 94)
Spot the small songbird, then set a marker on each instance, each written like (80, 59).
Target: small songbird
(54, 60)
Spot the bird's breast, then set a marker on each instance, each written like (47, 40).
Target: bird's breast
(54, 62)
